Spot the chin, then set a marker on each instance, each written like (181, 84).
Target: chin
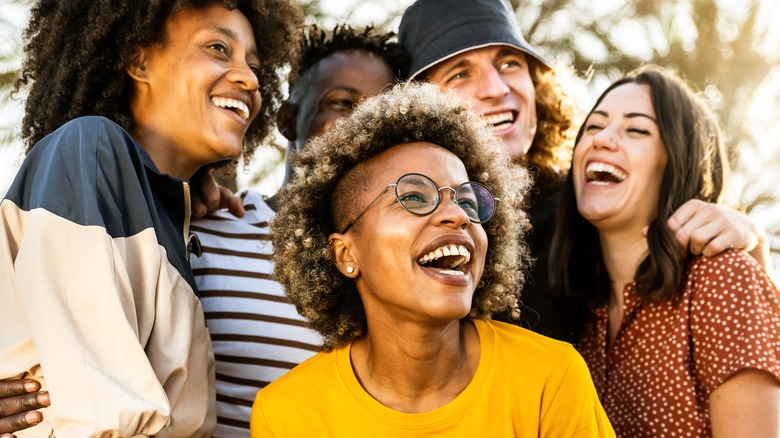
(516, 149)
(452, 311)
(229, 150)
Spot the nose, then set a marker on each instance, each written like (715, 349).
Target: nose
(605, 138)
(491, 85)
(448, 212)
(243, 75)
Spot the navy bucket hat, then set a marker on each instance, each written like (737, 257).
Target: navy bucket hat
(434, 30)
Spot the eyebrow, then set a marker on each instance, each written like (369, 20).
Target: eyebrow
(232, 35)
(627, 115)
(460, 64)
(509, 51)
(348, 89)
(504, 51)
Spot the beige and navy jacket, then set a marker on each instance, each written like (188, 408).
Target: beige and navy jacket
(97, 299)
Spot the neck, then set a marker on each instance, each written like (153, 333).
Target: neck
(420, 369)
(622, 253)
(163, 154)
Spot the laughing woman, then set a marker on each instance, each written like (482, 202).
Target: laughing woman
(126, 101)
(676, 344)
(391, 242)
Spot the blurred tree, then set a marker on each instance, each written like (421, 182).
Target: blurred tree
(10, 60)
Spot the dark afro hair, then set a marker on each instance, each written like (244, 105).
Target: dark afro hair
(77, 53)
(316, 44)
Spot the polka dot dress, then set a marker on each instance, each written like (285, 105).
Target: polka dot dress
(656, 377)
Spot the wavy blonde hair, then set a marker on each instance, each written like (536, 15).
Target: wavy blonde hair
(408, 113)
(549, 156)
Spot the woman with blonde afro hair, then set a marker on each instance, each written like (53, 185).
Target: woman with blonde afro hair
(318, 201)
(402, 284)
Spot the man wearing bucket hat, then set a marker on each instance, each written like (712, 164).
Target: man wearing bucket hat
(476, 48)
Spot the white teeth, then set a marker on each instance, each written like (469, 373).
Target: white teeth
(598, 167)
(498, 121)
(451, 272)
(448, 250)
(226, 102)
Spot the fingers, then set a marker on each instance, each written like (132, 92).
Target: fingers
(708, 229)
(210, 196)
(18, 412)
(233, 203)
(18, 387)
(205, 194)
(19, 422)
(199, 209)
(22, 403)
(679, 233)
(711, 240)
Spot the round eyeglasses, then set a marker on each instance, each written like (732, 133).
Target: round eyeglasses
(419, 195)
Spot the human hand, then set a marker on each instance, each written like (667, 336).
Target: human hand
(18, 400)
(709, 229)
(208, 196)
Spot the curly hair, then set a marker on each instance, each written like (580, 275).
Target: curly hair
(549, 156)
(316, 45)
(409, 112)
(77, 53)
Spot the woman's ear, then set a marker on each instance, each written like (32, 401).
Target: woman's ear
(343, 254)
(137, 67)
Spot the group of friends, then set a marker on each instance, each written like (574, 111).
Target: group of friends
(444, 238)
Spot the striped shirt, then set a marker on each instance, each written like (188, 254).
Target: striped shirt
(257, 335)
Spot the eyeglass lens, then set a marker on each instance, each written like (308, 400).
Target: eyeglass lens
(418, 194)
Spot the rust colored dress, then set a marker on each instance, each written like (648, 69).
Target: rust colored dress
(668, 357)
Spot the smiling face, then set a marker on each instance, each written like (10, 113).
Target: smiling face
(497, 81)
(196, 92)
(405, 274)
(339, 82)
(619, 161)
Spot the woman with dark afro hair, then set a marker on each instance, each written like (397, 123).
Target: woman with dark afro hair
(398, 238)
(126, 101)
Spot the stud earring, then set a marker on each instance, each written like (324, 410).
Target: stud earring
(350, 269)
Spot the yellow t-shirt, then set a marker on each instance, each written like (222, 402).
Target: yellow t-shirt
(525, 385)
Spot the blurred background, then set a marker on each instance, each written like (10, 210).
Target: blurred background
(728, 49)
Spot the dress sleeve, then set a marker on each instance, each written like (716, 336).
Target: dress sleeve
(574, 409)
(735, 318)
(82, 300)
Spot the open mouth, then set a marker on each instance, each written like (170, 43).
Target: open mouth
(234, 105)
(447, 259)
(603, 173)
(500, 121)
